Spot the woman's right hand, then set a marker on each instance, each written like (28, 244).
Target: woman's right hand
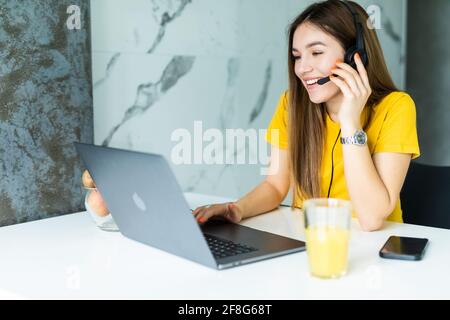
(87, 180)
(230, 211)
(94, 199)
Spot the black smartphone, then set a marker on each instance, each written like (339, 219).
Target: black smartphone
(404, 248)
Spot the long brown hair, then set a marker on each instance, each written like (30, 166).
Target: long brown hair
(306, 119)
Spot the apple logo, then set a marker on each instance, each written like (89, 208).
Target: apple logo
(139, 202)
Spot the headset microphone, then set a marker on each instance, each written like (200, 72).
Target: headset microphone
(322, 81)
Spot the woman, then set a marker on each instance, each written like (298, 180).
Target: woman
(376, 123)
(311, 118)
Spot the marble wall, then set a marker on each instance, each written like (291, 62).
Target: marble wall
(45, 105)
(160, 65)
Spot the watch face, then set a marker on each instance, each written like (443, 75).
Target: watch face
(360, 137)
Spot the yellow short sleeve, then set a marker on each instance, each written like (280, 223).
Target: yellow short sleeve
(399, 132)
(277, 132)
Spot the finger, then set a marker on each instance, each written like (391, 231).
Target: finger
(209, 213)
(201, 208)
(349, 79)
(362, 71)
(201, 216)
(87, 180)
(197, 210)
(347, 67)
(343, 86)
(361, 86)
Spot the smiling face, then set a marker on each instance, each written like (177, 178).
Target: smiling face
(316, 54)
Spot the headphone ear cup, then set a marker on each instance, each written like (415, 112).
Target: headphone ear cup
(349, 57)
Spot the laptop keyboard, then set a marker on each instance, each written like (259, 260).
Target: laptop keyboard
(222, 248)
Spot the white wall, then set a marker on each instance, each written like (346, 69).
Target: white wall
(231, 64)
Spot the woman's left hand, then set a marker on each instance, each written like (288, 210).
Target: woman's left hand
(356, 89)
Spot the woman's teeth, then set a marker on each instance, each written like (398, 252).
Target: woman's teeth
(311, 82)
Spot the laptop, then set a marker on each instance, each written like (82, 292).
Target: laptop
(148, 206)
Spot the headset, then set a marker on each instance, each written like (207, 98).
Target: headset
(358, 47)
(349, 58)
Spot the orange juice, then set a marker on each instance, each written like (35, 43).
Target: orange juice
(327, 248)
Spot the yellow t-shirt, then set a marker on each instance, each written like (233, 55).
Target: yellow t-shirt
(392, 128)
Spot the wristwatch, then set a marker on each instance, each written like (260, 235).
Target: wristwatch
(358, 139)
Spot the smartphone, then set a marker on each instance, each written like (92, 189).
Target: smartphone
(404, 248)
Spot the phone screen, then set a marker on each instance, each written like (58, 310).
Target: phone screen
(404, 248)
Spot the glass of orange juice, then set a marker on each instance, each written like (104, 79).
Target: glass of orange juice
(327, 230)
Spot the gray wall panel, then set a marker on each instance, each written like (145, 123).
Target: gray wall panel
(428, 76)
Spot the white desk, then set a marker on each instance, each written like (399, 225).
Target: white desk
(68, 257)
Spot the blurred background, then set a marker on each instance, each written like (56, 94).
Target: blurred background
(137, 70)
